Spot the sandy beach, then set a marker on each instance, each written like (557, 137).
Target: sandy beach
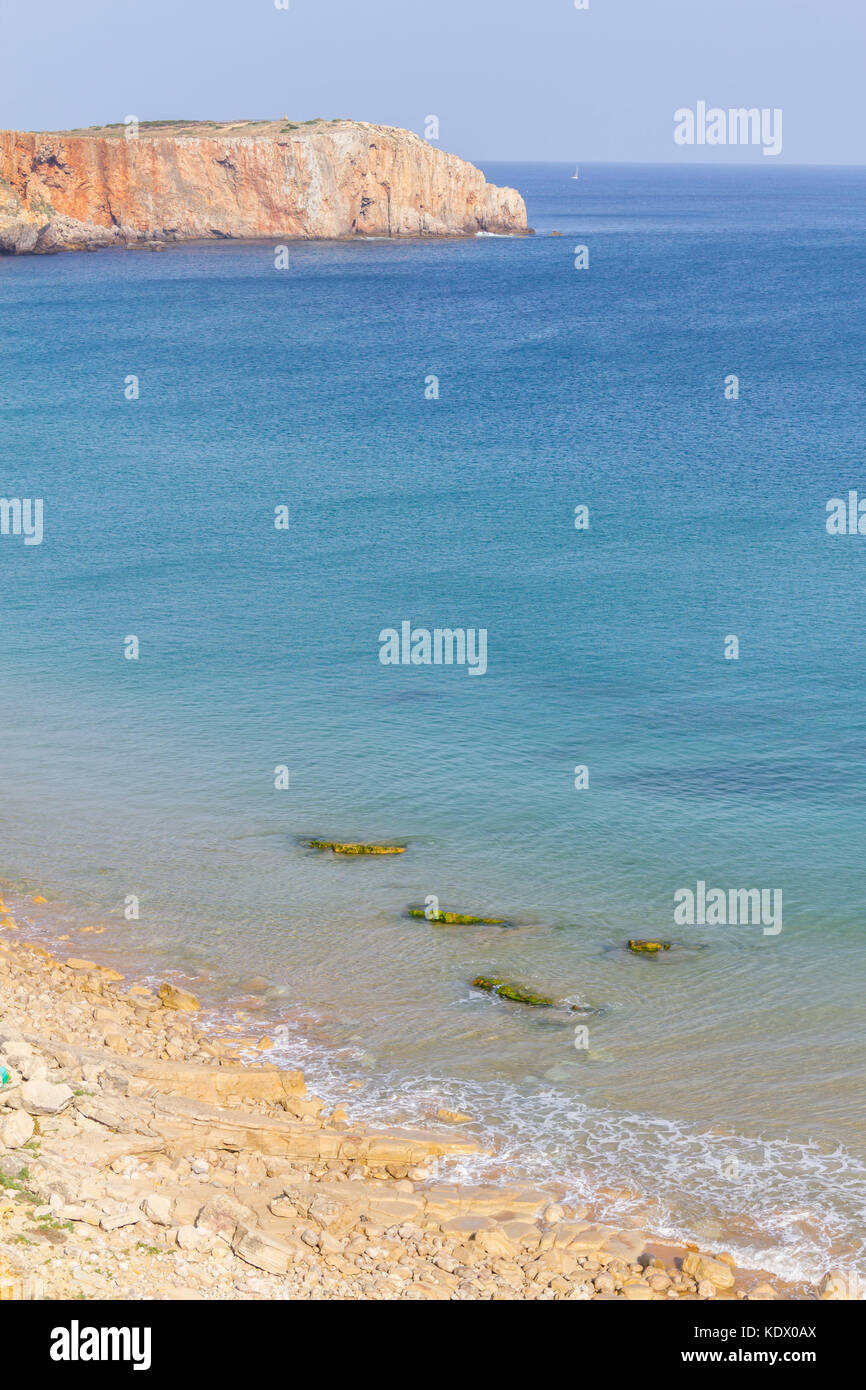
(142, 1155)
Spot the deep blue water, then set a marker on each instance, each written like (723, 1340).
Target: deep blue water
(557, 387)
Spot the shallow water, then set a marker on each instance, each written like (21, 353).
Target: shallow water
(721, 1078)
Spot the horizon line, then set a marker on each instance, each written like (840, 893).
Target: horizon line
(670, 163)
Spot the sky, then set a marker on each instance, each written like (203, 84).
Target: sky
(507, 79)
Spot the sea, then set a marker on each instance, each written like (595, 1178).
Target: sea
(610, 446)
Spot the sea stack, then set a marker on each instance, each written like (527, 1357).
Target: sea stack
(169, 181)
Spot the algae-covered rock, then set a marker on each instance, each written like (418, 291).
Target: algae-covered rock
(337, 848)
(648, 947)
(457, 919)
(519, 995)
(509, 991)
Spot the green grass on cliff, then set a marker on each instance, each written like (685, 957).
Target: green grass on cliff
(117, 129)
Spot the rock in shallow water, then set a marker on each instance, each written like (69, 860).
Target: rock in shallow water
(458, 919)
(180, 999)
(703, 1267)
(519, 995)
(514, 992)
(338, 847)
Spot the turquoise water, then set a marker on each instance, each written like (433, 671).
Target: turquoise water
(720, 1085)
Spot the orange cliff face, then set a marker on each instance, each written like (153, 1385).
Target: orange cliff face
(174, 182)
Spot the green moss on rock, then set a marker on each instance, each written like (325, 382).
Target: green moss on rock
(457, 919)
(337, 848)
(509, 991)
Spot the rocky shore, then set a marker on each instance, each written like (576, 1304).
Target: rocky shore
(143, 1157)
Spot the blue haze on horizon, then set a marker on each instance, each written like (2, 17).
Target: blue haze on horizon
(508, 80)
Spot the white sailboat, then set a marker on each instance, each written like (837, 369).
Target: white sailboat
(576, 174)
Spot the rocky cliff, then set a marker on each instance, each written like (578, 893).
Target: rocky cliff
(73, 190)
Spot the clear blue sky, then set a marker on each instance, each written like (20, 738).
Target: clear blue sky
(508, 79)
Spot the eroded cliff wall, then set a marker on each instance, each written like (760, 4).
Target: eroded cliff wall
(324, 179)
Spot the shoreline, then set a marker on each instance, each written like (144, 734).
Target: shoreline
(209, 1176)
(155, 243)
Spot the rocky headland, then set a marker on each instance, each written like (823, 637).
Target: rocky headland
(175, 181)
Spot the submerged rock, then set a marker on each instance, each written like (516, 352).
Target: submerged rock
(458, 919)
(519, 995)
(452, 1117)
(337, 848)
(648, 947)
(515, 992)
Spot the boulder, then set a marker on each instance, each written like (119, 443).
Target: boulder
(15, 1051)
(44, 1097)
(496, 1244)
(268, 1253)
(180, 999)
(761, 1292)
(701, 1267)
(157, 1208)
(114, 1221)
(34, 1068)
(16, 1129)
(588, 1241)
(191, 1238)
(221, 1217)
(84, 1213)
